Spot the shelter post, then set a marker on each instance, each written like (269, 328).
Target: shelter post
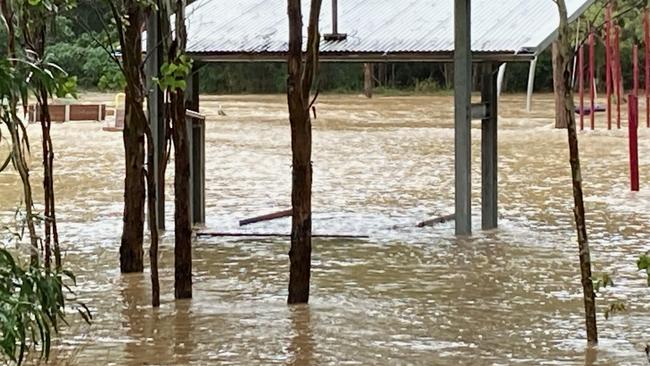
(463, 123)
(196, 140)
(155, 110)
(489, 149)
(198, 155)
(531, 85)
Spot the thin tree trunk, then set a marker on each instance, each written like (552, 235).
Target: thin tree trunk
(131, 251)
(299, 83)
(182, 224)
(559, 87)
(153, 219)
(565, 59)
(47, 174)
(48, 182)
(182, 213)
(15, 127)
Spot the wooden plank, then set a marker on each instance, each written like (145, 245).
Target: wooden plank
(438, 220)
(195, 115)
(269, 217)
(274, 235)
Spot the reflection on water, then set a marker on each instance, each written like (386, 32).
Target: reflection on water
(405, 296)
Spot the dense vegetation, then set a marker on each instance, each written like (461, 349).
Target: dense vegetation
(76, 49)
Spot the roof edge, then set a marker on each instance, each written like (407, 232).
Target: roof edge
(572, 18)
(360, 57)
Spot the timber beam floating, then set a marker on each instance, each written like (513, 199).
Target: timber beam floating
(275, 235)
(269, 217)
(437, 220)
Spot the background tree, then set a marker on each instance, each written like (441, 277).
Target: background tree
(299, 83)
(16, 90)
(37, 17)
(174, 75)
(129, 16)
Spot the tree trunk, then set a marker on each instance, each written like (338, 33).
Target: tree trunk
(565, 60)
(131, 252)
(367, 79)
(153, 219)
(182, 224)
(182, 195)
(559, 88)
(48, 185)
(299, 83)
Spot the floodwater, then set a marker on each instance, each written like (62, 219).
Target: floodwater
(404, 296)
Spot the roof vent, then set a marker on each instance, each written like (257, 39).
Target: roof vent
(335, 36)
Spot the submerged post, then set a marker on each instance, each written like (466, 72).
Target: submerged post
(155, 110)
(531, 85)
(633, 123)
(197, 137)
(463, 124)
(489, 150)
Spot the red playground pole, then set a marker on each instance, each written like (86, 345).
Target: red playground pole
(634, 148)
(635, 63)
(619, 71)
(592, 77)
(581, 85)
(646, 29)
(608, 64)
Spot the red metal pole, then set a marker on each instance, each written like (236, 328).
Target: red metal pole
(635, 69)
(646, 28)
(592, 77)
(619, 71)
(634, 147)
(581, 85)
(608, 64)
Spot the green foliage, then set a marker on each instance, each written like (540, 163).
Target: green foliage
(602, 281)
(32, 303)
(173, 75)
(614, 308)
(89, 62)
(428, 85)
(644, 265)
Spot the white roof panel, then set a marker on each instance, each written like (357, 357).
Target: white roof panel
(387, 27)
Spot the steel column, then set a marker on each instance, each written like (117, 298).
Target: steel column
(463, 131)
(531, 85)
(489, 150)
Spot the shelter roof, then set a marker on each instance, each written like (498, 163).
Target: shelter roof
(377, 30)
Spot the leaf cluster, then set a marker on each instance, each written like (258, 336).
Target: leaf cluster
(32, 305)
(173, 75)
(644, 265)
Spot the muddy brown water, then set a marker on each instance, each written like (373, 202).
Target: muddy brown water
(404, 296)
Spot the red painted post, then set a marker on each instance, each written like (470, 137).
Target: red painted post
(608, 64)
(646, 29)
(635, 69)
(581, 85)
(619, 71)
(634, 147)
(592, 77)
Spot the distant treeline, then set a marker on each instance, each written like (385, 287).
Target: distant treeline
(75, 49)
(346, 77)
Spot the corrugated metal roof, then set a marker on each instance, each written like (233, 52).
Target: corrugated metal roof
(255, 27)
